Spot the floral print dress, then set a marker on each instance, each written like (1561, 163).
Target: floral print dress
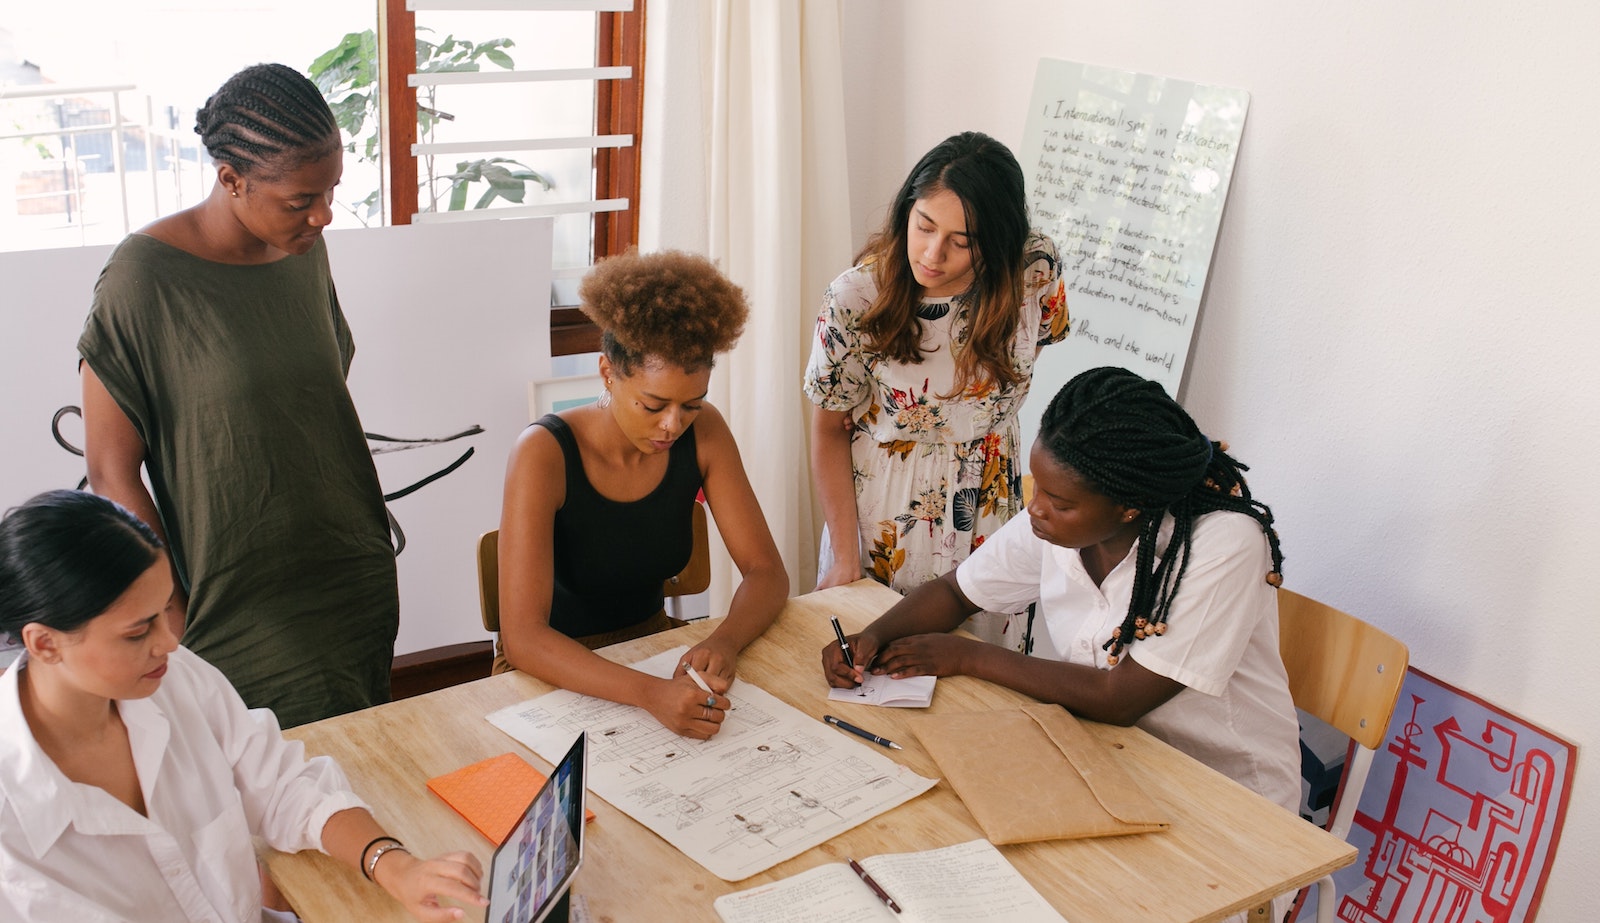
(934, 475)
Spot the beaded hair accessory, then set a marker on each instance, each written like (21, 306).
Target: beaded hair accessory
(1155, 624)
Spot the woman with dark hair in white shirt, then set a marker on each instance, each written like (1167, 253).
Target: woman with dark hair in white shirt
(1153, 572)
(132, 777)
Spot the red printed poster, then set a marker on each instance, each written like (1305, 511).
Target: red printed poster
(1460, 816)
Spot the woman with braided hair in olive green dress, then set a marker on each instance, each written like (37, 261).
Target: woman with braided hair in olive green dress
(214, 360)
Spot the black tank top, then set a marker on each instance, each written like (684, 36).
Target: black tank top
(611, 557)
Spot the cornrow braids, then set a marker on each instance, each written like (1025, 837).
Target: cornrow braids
(1140, 448)
(267, 118)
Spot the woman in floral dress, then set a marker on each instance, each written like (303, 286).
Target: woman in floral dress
(924, 351)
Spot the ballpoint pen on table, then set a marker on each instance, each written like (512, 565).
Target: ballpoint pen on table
(844, 645)
(876, 888)
(847, 726)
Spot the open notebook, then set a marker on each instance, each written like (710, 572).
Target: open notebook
(966, 883)
(883, 689)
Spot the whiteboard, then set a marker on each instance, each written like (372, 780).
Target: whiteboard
(1128, 173)
(451, 322)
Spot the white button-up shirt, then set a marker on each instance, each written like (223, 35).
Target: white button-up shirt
(212, 772)
(1235, 714)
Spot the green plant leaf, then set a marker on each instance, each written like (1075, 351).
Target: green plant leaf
(351, 112)
(350, 65)
(347, 75)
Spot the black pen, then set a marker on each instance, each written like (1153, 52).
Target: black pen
(847, 726)
(844, 645)
(876, 888)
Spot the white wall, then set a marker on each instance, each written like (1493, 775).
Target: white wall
(1400, 333)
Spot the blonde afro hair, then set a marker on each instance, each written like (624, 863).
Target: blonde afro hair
(671, 305)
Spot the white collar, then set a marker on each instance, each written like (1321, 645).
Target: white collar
(1073, 560)
(44, 800)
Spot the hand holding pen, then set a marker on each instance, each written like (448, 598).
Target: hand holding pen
(715, 660)
(846, 660)
(844, 645)
(688, 703)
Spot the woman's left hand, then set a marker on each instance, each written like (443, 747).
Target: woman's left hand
(924, 655)
(422, 885)
(714, 662)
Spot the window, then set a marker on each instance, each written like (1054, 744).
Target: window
(98, 99)
(97, 111)
(546, 122)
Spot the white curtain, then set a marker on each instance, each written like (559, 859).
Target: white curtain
(760, 188)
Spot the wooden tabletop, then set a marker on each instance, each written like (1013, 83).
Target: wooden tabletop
(1227, 850)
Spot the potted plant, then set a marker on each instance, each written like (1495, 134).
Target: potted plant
(347, 74)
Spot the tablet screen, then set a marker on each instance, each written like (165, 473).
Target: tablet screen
(533, 867)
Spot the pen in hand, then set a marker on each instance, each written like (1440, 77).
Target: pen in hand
(876, 888)
(698, 679)
(844, 645)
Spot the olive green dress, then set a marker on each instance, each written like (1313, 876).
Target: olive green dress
(234, 376)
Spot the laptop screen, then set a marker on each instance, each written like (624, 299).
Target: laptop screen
(533, 867)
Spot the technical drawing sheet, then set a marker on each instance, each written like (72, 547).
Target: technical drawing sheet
(773, 783)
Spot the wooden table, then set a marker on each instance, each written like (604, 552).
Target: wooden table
(1228, 849)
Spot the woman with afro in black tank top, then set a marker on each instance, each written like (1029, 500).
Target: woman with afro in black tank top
(599, 499)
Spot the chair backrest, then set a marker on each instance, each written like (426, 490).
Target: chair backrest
(1341, 669)
(1348, 674)
(696, 575)
(489, 579)
(694, 578)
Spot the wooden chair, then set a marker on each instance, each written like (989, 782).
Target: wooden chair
(696, 575)
(1348, 674)
(694, 578)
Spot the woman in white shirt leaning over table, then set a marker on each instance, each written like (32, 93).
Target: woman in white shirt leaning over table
(132, 776)
(1154, 573)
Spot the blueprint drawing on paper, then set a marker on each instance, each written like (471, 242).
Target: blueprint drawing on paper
(771, 784)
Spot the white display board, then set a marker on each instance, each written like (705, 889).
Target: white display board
(1128, 173)
(450, 321)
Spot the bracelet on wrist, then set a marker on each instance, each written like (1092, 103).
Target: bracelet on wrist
(368, 863)
(372, 864)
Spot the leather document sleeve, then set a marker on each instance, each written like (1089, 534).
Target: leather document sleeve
(1034, 773)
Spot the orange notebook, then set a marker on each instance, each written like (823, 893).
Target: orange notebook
(492, 794)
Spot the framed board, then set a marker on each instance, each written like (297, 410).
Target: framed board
(1128, 173)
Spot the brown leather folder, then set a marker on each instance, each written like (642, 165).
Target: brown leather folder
(1034, 773)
